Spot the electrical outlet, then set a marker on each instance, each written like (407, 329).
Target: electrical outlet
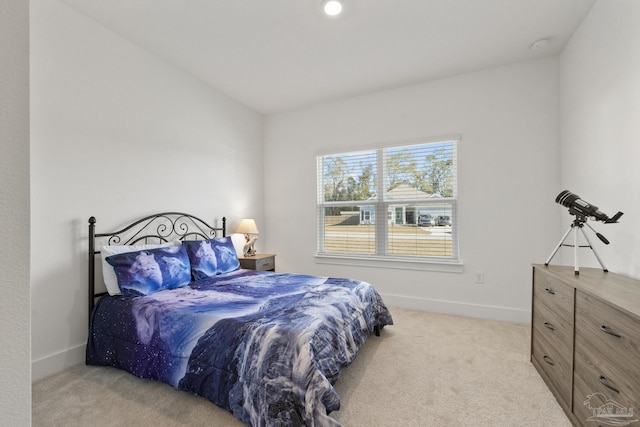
(479, 275)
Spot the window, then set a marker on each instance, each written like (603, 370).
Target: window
(396, 202)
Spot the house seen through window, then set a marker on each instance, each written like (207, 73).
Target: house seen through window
(393, 202)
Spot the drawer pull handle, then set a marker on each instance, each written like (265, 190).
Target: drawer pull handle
(548, 360)
(549, 326)
(603, 381)
(606, 330)
(549, 291)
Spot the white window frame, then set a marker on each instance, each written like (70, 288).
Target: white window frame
(429, 263)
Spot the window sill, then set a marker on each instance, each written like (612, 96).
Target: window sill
(388, 262)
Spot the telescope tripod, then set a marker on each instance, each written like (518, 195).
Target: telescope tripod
(576, 225)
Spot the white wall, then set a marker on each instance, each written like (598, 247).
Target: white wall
(15, 393)
(508, 179)
(600, 131)
(118, 133)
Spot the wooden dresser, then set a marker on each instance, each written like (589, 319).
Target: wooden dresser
(585, 343)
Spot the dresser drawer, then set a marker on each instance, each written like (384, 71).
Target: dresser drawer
(554, 368)
(558, 331)
(593, 400)
(554, 294)
(612, 333)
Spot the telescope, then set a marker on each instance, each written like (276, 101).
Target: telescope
(582, 211)
(579, 207)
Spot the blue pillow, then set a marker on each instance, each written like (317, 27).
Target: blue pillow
(151, 270)
(211, 257)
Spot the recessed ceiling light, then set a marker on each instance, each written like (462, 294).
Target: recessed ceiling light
(332, 7)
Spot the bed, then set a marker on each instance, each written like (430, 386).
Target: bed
(266, 346)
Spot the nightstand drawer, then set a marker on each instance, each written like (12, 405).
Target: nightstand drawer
(265, 264)
(261, 262)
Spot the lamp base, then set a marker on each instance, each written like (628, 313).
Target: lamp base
(248, 249)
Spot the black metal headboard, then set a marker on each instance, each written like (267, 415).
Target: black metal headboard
(157, 228)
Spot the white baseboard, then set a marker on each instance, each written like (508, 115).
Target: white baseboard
(57, 362)
(458, 308)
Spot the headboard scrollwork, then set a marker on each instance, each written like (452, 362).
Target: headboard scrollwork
(157, 228)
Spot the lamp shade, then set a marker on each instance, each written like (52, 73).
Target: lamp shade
(248, 226)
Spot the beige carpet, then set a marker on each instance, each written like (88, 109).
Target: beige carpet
(426, 370)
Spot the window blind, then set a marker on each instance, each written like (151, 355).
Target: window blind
(397, 201)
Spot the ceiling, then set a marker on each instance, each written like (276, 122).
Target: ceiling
(276, 55)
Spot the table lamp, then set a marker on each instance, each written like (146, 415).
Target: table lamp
(249, 228)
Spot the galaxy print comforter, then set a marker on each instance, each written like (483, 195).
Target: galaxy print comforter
(265, 346)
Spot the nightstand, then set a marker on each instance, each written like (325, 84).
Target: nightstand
(264, 262)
